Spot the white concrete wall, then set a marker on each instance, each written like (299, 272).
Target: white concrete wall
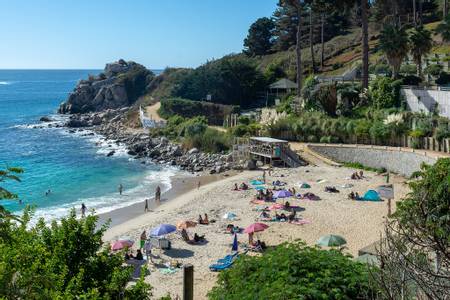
(426, 100)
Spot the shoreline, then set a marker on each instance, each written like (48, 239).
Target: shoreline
(181, 184)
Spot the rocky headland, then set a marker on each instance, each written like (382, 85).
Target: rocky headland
(100, 104)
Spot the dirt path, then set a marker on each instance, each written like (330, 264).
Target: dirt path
(152, 111)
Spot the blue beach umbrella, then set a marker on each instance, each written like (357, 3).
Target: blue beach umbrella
(163, 229)
(235, 243)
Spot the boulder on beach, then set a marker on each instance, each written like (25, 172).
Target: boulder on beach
(46, 119)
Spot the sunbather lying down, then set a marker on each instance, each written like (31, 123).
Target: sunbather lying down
(331, 189)
(258, 246)
(233, 229)
(197, 238)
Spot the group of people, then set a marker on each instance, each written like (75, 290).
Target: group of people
(354, 196)
(129, 255)
(266, 196)
(357, 176)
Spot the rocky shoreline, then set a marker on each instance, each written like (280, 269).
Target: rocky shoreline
(141, 145)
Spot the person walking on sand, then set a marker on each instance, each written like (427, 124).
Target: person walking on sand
(83, 210)
(158, 195)
(264, 176)
(143, 239)
(199, 184)
(120, 189)
(146, 205)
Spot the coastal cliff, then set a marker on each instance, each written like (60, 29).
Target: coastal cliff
(119, 85)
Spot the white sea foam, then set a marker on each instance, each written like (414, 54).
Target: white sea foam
(113, 201)
(5, 82)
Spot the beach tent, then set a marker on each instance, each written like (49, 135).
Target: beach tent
(371, 195)
(260, 188)
(256, 182)
(304, 185)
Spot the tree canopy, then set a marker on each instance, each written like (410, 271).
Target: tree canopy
(294, 271)
(259, 40)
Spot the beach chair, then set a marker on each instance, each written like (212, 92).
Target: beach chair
(227, 258)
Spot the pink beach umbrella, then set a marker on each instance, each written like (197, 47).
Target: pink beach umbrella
(256, 227)
(282, 194)
(120, 244)
(276, 206)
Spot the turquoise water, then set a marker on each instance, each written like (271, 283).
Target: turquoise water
(73, 166)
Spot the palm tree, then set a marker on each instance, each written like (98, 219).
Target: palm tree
(444, 29)
(394, 44)
(311, 39)
(421, 44)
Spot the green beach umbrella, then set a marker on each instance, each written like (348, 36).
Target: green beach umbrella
(331, 240)
(368, 259)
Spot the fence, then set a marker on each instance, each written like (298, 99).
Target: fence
(148, 122)
(425, 143)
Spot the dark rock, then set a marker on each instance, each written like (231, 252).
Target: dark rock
(46, 119)
(111, 153)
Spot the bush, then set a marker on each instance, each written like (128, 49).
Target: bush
(443, 79)
(433, 70)
(337, 66)
(294, 271)
(411, 80)
(215, 113)
(210, 140)
(408, 69)
(380, 69)
(385, 92)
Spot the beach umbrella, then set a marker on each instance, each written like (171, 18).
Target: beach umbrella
(235, 243)
(368, 259)
(186, 224)
(256, 182)
(276, 206)
(331, 240)
(282, 194)
(162, 229)
(229, 216)
(256, 227)
(120, 244)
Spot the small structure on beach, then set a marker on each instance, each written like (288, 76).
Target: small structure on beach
(268, 150)
(282, 87)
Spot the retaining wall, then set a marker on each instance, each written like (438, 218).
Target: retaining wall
(398, 160)
(422, 100)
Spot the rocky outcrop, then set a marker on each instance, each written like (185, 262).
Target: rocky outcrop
(160, 150)
(119, 85)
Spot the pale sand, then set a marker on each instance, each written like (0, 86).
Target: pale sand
(360, 223)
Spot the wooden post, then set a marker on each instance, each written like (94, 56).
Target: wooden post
(389, 207)
(188, 282)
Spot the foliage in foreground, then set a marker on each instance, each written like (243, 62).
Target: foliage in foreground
(294, 271)
(415, 253)
(63, 261)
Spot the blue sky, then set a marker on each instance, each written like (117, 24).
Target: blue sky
(72, 34)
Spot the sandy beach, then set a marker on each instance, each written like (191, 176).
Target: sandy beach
(359, 222)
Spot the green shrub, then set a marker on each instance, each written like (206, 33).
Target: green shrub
(411, 80)
(380, 69)
(210, 140)
(312, 139)
(443, 79)
(416, 133)
(408, 69)
(294, 271)
(384, 92)
(337, 66)
(433, 70)
(215, 113)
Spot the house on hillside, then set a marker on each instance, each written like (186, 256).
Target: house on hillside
(282, 87)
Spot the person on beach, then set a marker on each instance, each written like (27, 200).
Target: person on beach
(139, 255)
(143, 239)
(198, 185)
(120, 189)
(264, 176)
(83, 210)
(146, 205)
(158, 195)
(236, 188)
(48, 192)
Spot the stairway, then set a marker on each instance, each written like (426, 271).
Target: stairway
(292, 159)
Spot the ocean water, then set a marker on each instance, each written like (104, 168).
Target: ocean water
(73, 166)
